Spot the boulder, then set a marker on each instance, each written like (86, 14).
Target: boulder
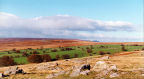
(85, 72)
(104, 72)
(105, 57)
(83, 69)
(59, 73)
(53, 75)
(113, 67)
(114, 75)
(100, 66)
(1, 75)
(50, 76)
(75, 72)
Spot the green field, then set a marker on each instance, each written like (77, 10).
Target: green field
(81, 51)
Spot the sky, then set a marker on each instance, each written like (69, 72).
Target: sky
(102, 20)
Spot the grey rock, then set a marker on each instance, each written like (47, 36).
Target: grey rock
(75, 72)
(85, 72)
(104, 72)
(113, 67)
(1, 75)
(83, 69)
(50, 76)
(100, 66)
(114, 75)
(13, 71)
(105, 57)
(59, 73)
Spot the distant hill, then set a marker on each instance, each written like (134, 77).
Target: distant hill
(96, 41)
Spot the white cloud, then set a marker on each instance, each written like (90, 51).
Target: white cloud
(62, 26)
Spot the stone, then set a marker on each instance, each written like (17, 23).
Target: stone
(114, 75)
(67, 72)
(1, 75)
(85, 72)
(104, 72)
(59, 73)
(100, 65)
(75, 72)
(105, 57)
(113, 67)
(85, 67)
(50, 76)
(13, 71)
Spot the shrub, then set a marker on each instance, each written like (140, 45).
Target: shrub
(62, 49)
(44, 51)
(7, 61)
(82, 49)
(90, 54)
(143, 48)
(91, 46)
(66, 56)
(54, 50)
(25, 54)
(14, 49)
(122, 44)
(75, 55)
(17, 56)
(68, 49)
(89, 50)
(57, 57)
(29, 48)
(136, 45)
(108, 53)
(18, 51)
(9, 52)
(101, 53)
(102, 46)
(35, 52)
(123, 48)
(78, 47)
(46, 58)
(34, 58)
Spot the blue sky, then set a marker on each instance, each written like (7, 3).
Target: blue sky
(126, 12)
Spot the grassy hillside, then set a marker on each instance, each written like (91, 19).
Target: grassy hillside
(75, 51)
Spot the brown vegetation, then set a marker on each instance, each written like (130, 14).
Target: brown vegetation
(46, 57)
(34, 58)
(66, 56)
(6, 61)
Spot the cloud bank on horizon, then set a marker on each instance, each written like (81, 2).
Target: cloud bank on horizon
(62, 26)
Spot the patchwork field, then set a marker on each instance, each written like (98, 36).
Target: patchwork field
(20, 49)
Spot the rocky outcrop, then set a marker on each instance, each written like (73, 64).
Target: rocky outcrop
(13, 71)
(100, 65)
(105, 58)
(53, 75)
(113, 75)
(1, 75)
(83, 70)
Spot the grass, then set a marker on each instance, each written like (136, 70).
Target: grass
(80, 50)
(92, 75)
